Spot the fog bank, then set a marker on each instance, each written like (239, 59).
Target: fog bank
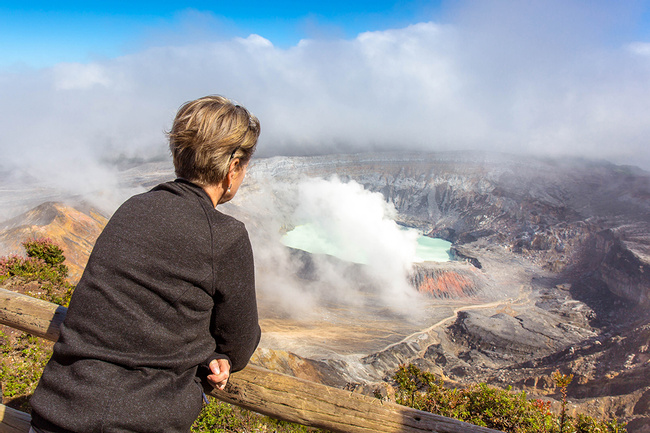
(361, 223)
(547, 78)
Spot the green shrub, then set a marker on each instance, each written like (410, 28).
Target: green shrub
(44, 264)
(220, 417)
(23, 360)
(586, 424)
(492, 407)
(23, 355)
(45, 249)
(562, 381)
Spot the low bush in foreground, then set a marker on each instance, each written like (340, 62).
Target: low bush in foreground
(492, 407)
(23, 355)
(43, 264)
(220, 417)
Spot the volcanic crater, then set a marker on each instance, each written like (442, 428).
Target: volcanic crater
(551, 271)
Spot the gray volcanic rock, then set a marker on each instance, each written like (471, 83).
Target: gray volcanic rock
(515, 337)
(550, 211)
(624, 267)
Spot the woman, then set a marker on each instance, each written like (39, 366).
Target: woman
(168, 295)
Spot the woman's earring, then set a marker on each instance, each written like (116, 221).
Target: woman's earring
(229, 186)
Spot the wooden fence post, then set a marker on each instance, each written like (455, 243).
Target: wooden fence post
(13, 421)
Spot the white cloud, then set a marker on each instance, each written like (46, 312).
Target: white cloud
(640, 48)
(256, 41)
(69, 76)
(538, 77)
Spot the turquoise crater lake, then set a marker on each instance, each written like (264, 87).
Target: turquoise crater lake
(308, 238)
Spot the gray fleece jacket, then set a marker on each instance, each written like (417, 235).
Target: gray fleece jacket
(168, 287)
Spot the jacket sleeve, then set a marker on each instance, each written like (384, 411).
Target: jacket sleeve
(234, 324)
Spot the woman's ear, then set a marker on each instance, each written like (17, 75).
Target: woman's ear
(233, 179)
(236, 167)
(233, 171)
(233, 166)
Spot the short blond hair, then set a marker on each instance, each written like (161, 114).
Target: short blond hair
(207, 134)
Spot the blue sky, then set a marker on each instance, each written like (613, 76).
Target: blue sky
(43, 33)
(83, 86)
(38, 34)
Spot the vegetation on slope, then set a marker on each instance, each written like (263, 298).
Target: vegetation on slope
(43, 275)
(220, 417)
(43, 266)
(492, 407)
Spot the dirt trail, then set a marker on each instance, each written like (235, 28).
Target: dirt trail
(522, 299)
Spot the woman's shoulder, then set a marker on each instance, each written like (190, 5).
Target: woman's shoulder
(225, 222)
(167, 201)
(165, 193)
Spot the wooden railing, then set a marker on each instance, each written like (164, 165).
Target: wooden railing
(263, 391)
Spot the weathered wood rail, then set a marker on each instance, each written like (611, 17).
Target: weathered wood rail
(263, 391)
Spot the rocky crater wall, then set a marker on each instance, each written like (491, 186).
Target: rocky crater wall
(548, 211)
